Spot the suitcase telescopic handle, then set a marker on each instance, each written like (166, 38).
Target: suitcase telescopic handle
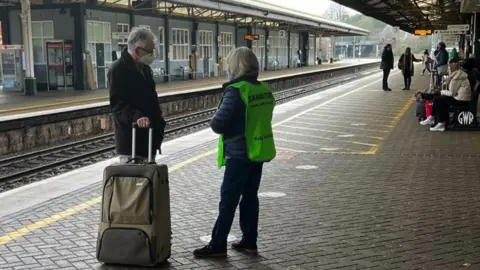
(150, 141)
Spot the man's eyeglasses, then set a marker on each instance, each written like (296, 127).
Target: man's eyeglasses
(145, 50)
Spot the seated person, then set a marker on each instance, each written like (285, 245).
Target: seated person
(459, 93)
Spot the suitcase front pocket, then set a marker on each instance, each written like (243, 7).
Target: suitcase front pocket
(125, 246)
(130, 200)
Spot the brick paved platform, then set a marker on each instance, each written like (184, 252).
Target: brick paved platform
(353, 198)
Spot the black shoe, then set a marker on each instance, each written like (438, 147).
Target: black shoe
(408, 88)
(244, 246)
(405, 88)
(207, 251)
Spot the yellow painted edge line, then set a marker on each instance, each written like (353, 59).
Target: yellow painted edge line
(394, 122)
(71, 211)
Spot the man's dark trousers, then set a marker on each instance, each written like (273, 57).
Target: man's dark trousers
(386, 73)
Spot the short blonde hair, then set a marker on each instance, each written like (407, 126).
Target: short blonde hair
(242, 61)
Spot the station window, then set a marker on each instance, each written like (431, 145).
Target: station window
(161, 43)
(42, 31)
(259, 48)
(123, 28)
(99, 42)
(180, 44)
(226, 46)
(205, 44)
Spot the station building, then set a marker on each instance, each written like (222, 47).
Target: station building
(75, 42)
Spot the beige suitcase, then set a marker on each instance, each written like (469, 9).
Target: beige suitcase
(135, 226)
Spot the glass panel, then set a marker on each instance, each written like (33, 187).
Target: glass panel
(186, 37)
(91, 49)
(108, 53)
(179, 37)
(90, 34)
(160, 36)
(160, 53)
(37, 50)
(119, 27)
(97, 28)
(106, 33)
(47, 28)
(36, 29)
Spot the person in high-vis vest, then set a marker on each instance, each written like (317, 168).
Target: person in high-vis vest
(244, 122)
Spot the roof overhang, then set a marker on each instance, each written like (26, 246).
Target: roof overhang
(283, 19)
(241, 12)
(409, 15)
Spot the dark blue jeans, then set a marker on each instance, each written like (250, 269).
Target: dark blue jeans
(241, 179)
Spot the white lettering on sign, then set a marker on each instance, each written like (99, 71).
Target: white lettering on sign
(465, 118)
(458, 27)
(451, 32)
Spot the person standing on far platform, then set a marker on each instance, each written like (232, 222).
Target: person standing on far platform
(405, 63)
(244, 122)
(133, 97)
(386, 65)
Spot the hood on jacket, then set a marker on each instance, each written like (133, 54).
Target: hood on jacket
(460, 74)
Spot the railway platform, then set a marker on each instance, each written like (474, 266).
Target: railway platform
(17, 103)
(357, 184)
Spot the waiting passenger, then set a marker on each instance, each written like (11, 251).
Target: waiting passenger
(427, 62)
(386, 65)
(442, 59)
(405, 64)
(459, 93)
(133, 97)
(243, 121)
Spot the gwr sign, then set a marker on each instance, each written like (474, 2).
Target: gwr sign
(465, 118)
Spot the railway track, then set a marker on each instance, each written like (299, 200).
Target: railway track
(31, 167)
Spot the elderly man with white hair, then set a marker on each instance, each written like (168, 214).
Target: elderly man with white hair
(133, 96)
(244, 122)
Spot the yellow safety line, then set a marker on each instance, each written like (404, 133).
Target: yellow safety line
(394, 122)
(71, 211)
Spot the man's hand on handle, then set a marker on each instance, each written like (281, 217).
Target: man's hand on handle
(143, 122)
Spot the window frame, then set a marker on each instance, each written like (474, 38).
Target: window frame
(43, 39)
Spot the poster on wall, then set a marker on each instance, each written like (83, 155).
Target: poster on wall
(1, 38)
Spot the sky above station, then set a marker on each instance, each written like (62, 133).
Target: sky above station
(314, 7)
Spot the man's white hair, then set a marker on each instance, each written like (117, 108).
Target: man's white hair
(139, 36)
(242, 61)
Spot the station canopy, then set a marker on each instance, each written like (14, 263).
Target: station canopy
(242, 12)
(410, 15)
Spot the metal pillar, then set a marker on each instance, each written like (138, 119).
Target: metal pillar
(267, 48)
(79, 46)
(5, 15)
(166, 22)
(289, 48)
(249, 32)
(26, 17)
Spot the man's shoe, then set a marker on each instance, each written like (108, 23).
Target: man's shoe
(244, 246)
(207, 252)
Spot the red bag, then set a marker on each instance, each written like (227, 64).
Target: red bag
(428, 107)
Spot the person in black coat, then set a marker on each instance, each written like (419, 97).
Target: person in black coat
(133, 97)
(386, 65)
